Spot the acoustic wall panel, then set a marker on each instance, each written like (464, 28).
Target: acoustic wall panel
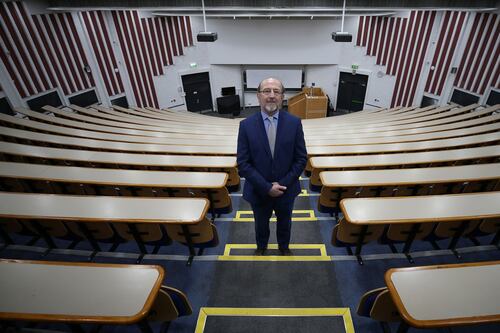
(41, 51)
(400, 44)
(99, 37)
(480, 63)
(148, 45)
(452, 26)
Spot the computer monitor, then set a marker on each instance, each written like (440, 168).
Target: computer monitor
(228, 91)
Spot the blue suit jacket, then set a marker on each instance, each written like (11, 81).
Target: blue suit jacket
(256, 164)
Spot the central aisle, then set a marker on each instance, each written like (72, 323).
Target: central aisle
(253, 285)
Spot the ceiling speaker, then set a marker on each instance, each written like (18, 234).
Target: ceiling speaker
(343, 37)
(206, 36)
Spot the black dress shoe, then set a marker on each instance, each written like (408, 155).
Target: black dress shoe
(286, 252)
(259, 252)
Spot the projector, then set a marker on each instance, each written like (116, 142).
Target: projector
(206, 36)
(344, 37)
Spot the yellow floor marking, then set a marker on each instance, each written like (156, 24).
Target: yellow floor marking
(227, 256)
(303, 193)
(345, 313)
(310, 218)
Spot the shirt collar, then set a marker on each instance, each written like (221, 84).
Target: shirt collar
(265, 116)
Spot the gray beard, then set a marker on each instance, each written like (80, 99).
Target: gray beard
(271, 107)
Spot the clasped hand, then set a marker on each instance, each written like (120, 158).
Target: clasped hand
(277, 190)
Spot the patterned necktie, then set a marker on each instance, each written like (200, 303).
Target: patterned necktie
(271, 134)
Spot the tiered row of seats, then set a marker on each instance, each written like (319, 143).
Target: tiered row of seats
(414, 175)
(113, 176)
(415, 154)
(47, 153)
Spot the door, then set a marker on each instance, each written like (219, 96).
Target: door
(198, 92)
(352, 92)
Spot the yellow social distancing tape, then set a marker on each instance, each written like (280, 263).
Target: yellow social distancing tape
(311, 217)
(227, 256)
(345, 313)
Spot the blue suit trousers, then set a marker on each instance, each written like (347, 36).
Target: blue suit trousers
(262, 211)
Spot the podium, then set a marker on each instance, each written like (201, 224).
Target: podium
(310, 103)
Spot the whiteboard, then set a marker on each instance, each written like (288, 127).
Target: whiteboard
(291, 78)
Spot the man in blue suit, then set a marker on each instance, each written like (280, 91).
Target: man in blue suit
(271, 156)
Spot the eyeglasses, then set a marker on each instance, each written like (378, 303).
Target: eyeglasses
(269, 91)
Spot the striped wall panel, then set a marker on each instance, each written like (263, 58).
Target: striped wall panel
(452, 25)
(41, 52)
(480, 64)
(148, 45)
(98, 34)
(400, 44)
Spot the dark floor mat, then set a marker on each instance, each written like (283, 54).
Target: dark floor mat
(302, 233)
(252, 324)
(275, 284)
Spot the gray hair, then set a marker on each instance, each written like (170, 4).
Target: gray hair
(272, 78)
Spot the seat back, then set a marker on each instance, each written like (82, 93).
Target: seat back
(349, 233)
(399, 232)
(149, 232)
(180, 300)
(330, 197)
(366, 302)
(11, 226)
(233, 179)
(449, 229)
(163, 308)
(201, 232)
(219, 197)
(100, 231)
(384, 309)
(53, 228)
(490, 226)
(170, 303)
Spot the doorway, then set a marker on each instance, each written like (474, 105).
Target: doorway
(352, 92)
(198, 92)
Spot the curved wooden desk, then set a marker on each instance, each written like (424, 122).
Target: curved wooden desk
(446, 295)
(77, 292)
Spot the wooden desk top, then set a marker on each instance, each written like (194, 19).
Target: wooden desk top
(362, 116)
(119, 146)
(475, 118)
(120, 116)
(118, 158)
(70, 174)
(77, 292)
(99, 208)
(189, 117)
(421, 209)
(135, 112)
(404, 146)
(101, 125)
(98, 117)
(459, 173)
(74, 132)
(373, 129)
(462, 132)
(350, 161)
(433, 114)
(446, 295)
